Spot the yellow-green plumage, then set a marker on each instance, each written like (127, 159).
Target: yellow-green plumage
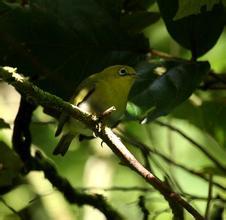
(96, 94)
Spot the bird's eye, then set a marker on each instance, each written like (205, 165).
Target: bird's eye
(122, 72)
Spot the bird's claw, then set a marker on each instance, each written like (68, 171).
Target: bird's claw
(108, 111)
(100, 122)
(99, 125)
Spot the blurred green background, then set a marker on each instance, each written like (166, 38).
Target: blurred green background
(95, 169)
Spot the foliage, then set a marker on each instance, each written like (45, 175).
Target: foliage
(193, 7)
(59, 43)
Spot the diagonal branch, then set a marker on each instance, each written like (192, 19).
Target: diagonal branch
(35, 95)
(131, 140)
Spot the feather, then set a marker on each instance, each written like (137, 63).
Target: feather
(62, 120)
(63, 144)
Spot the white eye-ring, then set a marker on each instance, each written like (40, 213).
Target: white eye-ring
(122, 72)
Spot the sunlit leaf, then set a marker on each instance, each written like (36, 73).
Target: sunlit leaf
(208, 115)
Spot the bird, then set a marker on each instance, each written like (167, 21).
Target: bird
(96, 94)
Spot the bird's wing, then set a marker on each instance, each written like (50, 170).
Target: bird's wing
(63, 144)
(82, 93)
(62, 120)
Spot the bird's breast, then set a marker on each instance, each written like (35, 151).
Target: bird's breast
(100, 101)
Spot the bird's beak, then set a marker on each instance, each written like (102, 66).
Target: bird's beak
(134, 75)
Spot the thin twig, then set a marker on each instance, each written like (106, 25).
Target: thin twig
(161, 54)
(131, 140)
(219, 77)
(209, 196)
(202, 198)
(11, 208)
(199, 146)
(142, 205)
(146, 160)
(118, 188)
(146, 189)
(169, 176)
(72, 195)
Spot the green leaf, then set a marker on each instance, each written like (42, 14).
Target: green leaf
(10, 166)
(193, 7)
(193, 32)
(3, 124)
(157, 96)
(213, 171)
(59, 43)
(208, 116)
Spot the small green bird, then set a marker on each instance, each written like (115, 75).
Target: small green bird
(95, 95)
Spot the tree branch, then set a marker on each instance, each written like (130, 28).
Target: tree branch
(22, 143)
(131, 140)
(209, 196)
(72, 195)
(21, 133)
(35, 95)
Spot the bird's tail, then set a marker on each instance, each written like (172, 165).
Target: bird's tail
(63, 144)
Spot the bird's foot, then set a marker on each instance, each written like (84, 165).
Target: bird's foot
(101, 118)
(108, 112)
